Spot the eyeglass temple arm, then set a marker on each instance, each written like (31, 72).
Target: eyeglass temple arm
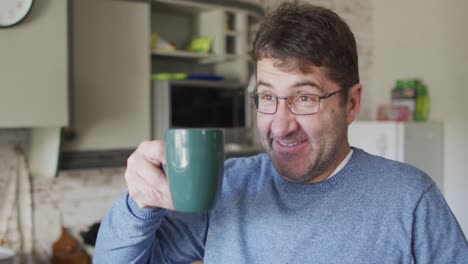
(330, 94)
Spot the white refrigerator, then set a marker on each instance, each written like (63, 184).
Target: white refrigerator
(417, 143)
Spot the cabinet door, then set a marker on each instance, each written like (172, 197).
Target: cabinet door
(378, 138)
(34, 68)
(111, 74)
(424, 148)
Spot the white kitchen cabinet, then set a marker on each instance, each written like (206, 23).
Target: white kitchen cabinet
(110, 74)
(419, 144)
(34, 68)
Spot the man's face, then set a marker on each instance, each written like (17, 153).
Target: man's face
(305, 148)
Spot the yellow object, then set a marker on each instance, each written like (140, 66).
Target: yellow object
(168, 76)
(200, 44)
(153, 39)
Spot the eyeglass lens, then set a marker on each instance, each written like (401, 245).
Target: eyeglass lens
(297, 104)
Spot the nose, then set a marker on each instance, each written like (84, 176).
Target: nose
(284, 122)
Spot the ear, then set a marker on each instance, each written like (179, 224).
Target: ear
(353, 104)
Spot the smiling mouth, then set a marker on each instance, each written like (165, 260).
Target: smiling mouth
(289, 143)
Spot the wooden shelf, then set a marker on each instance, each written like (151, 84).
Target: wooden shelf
(181, 54)
(204, 58)
(222, 58)
(233, 33)
(227, 24)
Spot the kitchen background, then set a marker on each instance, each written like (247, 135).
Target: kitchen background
(395, 39)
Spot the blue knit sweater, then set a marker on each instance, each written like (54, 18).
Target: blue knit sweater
(372, 211)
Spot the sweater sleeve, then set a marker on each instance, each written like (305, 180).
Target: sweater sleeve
(438, 237)
(130, 234)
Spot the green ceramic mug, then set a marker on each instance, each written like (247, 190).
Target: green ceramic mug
(194, 167)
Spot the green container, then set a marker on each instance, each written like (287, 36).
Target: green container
(399, 84)
(194, 167)
(422, 103)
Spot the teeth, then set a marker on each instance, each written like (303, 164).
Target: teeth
(290, 144)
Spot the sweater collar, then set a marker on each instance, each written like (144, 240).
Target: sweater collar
(342, 164)
(321, 187)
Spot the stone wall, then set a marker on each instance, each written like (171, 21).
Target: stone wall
(11, 141)
(34, 209)
(75, 199)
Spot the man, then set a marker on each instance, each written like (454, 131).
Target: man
(312, 198)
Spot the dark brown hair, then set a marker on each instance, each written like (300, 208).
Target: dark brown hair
(300, 35)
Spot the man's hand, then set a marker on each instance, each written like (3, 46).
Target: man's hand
(147, 184)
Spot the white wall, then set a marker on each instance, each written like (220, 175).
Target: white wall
(428, 39)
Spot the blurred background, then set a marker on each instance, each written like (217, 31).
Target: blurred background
(82, 83)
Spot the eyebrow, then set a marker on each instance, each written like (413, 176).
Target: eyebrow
(295, 85)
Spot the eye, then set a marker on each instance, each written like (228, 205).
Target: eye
(265, 97)
(305, 98)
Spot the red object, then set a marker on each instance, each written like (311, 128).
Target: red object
(393, 113)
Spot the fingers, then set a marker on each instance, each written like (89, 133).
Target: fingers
(147, 183)
(146, 196)
(150, 173)
(153, 151)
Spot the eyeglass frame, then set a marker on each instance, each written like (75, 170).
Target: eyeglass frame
(288, 103)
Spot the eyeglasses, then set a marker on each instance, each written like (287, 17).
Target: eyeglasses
(299, 104)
